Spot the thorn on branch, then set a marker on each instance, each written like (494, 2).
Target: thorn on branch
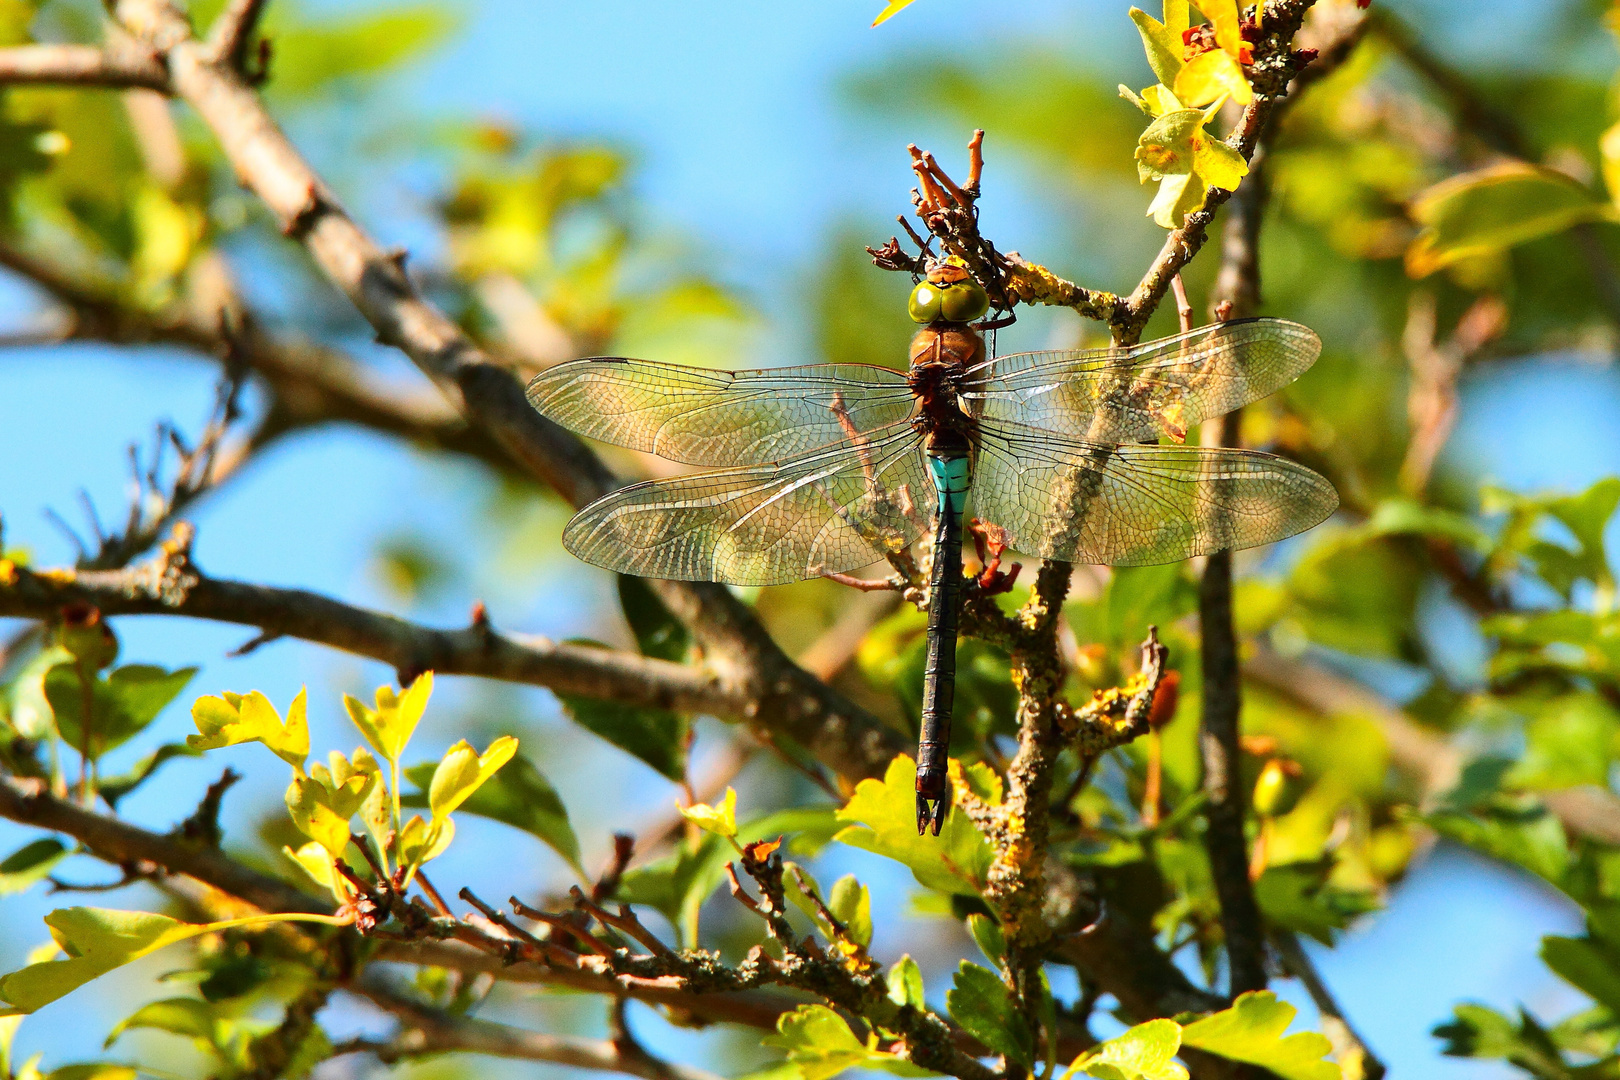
(203, 825)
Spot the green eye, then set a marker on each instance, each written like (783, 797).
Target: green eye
(964, 302)
(924, 305)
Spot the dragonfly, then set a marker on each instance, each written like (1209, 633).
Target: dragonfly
(1072, 454)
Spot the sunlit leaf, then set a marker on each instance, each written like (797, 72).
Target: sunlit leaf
(463, 771)
(890, 9)
(905, 983)
(1252, 1031)
(956, 861)
(1145, 1052)
(821, 1044)
(1162, 45)
(236, 718)
(720, 820)
(389, 726)
(1209, 76)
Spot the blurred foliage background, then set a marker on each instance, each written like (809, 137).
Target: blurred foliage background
(1437, 665)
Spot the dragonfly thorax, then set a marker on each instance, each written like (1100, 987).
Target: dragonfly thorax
(941, 355)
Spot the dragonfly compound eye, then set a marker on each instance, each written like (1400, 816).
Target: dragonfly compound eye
(924, 305)
(965, 301)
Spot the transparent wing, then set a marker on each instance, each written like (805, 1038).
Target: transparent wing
(704, 417)
(1160, 389)
(1135, 505)
(831, 510)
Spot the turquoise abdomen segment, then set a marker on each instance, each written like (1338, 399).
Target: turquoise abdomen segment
(952, 477)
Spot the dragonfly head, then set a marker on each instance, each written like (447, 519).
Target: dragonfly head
(947, 294)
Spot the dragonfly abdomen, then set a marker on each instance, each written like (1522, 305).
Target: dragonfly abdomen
(951, 476)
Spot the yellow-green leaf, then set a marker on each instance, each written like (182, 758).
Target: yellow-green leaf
(1162, 45)
(956, 861)
(1145, 1052)
(309, 802)
(314, 860)
(720, 820)
(1208, 76)
(851, 904)
(463, 770)
(422, 841)
(97, 940)
(1178, 196)
(389, 726)
(1252, 1031)
(1494, 208)
(1166, 146)
(1609, 147)
(821, 1044)
(1219, 164)
(889, 10)
(237, 718)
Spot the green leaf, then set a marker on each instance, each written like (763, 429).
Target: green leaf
(980, 1003)
(114, 788)
(851, 904)
(1520, 832)
(1481, 1032)
(905, 983)
(957, 861)
(519, 795)
(236, 718)
(1495, 208)
(1401, 517)
(1145, 1052)
(122, 704)
(655, 736)
(463, 771)
(421, 841)
(1252, 1031)
(819, 1042)
(181, 1016)
(658, 633)
(988, 936)
(389, 726)
(1589, 964)
(1297, 896)
(30, 864)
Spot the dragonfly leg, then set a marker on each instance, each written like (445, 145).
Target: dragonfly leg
(990, 541)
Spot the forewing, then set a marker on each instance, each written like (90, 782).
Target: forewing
(704, 417)
(831, 510)
(1134, 505)
(1157, 390)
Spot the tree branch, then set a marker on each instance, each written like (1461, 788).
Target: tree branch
(430, 1031)
(82, 65)
(169, 584)
(228, 37)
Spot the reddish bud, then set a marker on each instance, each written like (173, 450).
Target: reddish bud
(1166, 696)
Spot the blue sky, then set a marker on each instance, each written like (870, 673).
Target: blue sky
(748, 153)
